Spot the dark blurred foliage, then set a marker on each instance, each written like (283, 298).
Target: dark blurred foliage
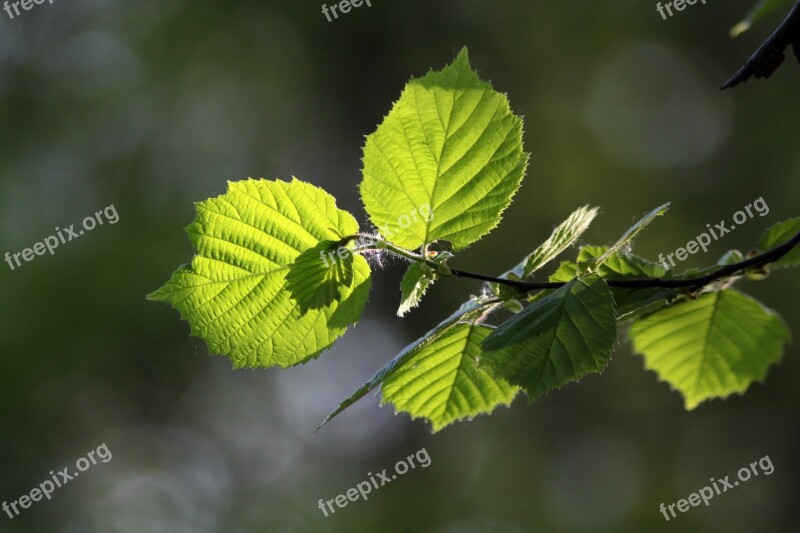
(152, 106)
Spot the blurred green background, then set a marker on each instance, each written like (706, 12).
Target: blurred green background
(152, 106)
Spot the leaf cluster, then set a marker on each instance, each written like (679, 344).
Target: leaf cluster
(280, 272)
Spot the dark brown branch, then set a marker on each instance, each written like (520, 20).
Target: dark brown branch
(647, 283)
(769, 55)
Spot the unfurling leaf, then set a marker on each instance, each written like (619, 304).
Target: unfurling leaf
(633, 231)
(234, 294)
(562, 238)
(415, 283)
(413, 287)
(711, 347)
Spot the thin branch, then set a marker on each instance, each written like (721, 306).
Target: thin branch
(647, 283)
(769, 55)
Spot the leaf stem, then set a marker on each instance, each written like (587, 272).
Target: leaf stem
(404, 253)
(438, 268)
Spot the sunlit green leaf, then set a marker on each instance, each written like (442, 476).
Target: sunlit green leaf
(466, 313)
(711, 347)
(442, 383)
(445, 162)
(318, 275)
(234, 294)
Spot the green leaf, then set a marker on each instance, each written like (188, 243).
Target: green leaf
(711, 347)
(759, 11)
(234, 294)
(413, 286)
(415, 283)
(779, 234)
(467, 312)
(442, 383)
(628, 302)
(318, 275)
(624, 242)
(616, 266)
(445, 162)
(562, 238)
(556, 340)
(731, 257)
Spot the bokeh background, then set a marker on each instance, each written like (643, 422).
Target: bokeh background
(152, 106)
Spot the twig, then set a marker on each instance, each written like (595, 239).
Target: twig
(769, 55)
(646, 283)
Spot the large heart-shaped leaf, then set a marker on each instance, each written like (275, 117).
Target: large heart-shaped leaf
(234, 294)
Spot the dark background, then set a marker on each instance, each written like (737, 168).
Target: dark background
(152, 106)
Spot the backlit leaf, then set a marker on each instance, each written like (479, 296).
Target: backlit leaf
(234, 294)
(555, 340)
(711, 347)
(442, 383)
(445, 162)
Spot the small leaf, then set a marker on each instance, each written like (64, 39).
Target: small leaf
(445, 162)
(562, 238)
(616, 266)
(628, 302)
(711, 347)
(625, 240)
(731, 257)
(234, 294)
(779, 234)
(442, 383)
(556, 340)
(467, 312)
(513, 305)
(413, 287)
(415, 283)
